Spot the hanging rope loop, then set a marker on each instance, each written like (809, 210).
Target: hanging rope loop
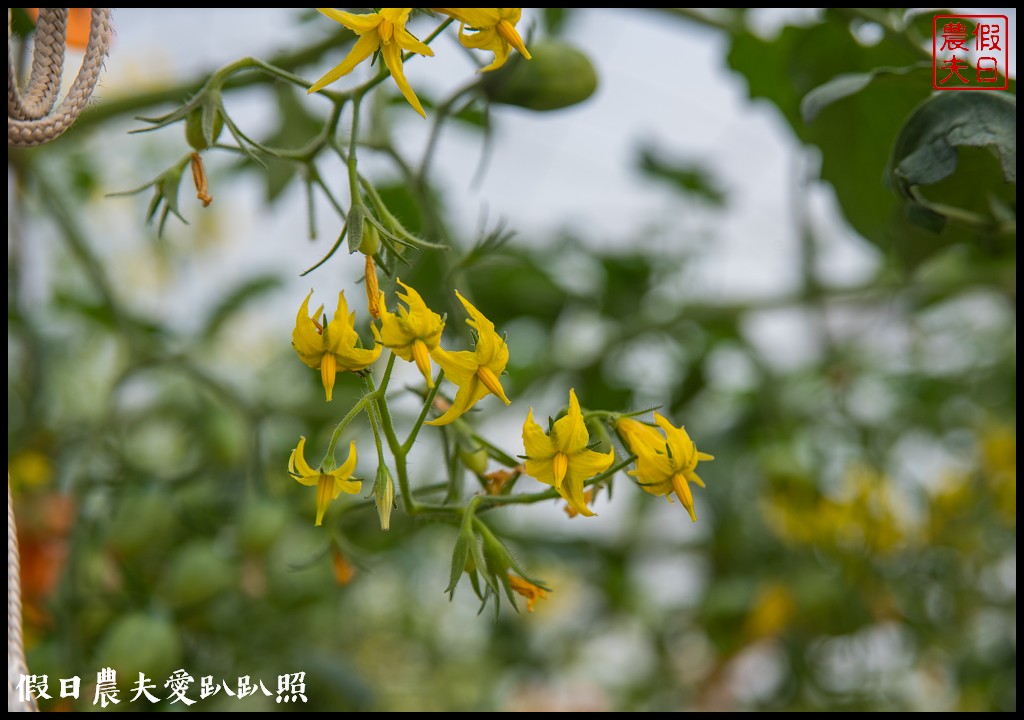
(33, 116)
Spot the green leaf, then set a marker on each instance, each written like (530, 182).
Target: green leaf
(926, 149)
(855, 132)
(849, 84)
(689, 178)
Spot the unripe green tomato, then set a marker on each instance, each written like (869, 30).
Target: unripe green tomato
(197, 573)
(370, 242)
(194, 129)
(557, 77)
(140, 642)
(260, 524)
(144, 523)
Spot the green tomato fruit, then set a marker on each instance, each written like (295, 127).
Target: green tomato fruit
(140, 642)
(558, 76)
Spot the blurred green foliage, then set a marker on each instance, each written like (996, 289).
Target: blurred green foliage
(857, 540)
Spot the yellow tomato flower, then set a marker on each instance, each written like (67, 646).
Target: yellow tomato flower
(413, 333)
(495, 30)
(331, 349)
(665, 464)
(634, 433)
(528, 590)
(330, 483)
(474, 371)
(384, 31)
(562, 459)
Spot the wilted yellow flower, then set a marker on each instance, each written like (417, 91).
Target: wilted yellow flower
(330, 482)
(474, 371)
(562, 459)
(331, 349)
(665, 465)
(344, 570)
(528, 590)
(384, 31)
(413, 333)
(493, 29)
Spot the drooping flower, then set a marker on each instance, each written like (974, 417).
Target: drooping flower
(384, 31)
(330, 482)
(492, 29)
(412, 333)
(633, 433)
(474, 371)
(528, 590)
(562, 458)
(332, 348)
(665, 464)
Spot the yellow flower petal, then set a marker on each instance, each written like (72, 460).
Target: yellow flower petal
(392, 55)
(459, 367)
(476, 373)
(299, 468)
(365, 46)
(589, 463)
(307, 341)
(570, 432)
(359, 24)
(562, 459)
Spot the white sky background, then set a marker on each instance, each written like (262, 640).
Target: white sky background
(662, 82)
(573, 168)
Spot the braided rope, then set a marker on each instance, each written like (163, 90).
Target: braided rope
(16, 667)
(31, 117)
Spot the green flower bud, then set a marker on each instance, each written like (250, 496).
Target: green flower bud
(370, 241)
(194, 129)
(384, 494)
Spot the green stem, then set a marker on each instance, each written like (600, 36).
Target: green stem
(353, 174)
(387, 425)
(407, 445)
(440, 115)
(376, 437)
(356, 409)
